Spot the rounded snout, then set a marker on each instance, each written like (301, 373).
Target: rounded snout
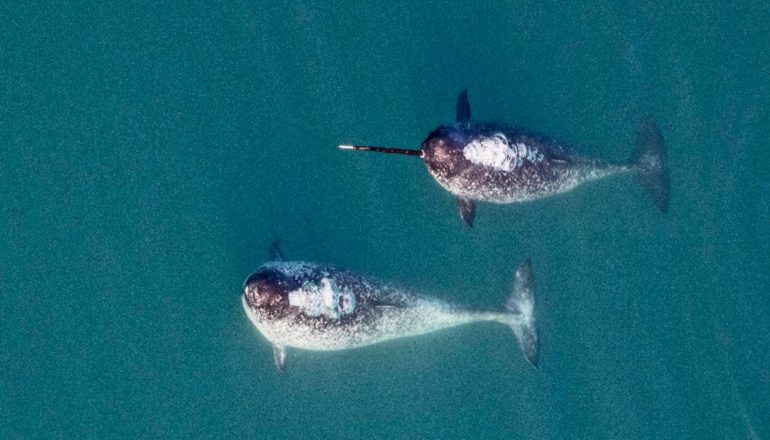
(267, 288)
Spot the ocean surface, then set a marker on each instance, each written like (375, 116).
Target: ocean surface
(151, 151)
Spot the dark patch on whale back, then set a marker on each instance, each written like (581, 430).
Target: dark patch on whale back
(268, 289)
(369, 293)
(443, 150)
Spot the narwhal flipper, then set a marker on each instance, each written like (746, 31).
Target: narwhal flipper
(279, 357)
(649, 161)
(463, 107)
(274, 251)
(522, 306)
(467, 210)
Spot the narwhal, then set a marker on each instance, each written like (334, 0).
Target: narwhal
(318, 307)
(491, 162)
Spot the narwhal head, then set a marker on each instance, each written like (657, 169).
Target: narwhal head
(442, 151)
(267, 291)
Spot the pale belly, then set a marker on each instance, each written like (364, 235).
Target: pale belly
(388, 324)
(502, 188)
(508, 191)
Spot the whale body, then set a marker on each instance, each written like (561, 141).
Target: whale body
(318, 307)
(498, 163)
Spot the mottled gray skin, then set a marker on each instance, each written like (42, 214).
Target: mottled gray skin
(497, 163)
(381, 313)
(546, 168)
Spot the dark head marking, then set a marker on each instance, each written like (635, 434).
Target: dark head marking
(268, 288)
(443, 151)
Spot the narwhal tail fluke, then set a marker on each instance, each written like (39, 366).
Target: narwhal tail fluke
(522, 306)
(649, 161)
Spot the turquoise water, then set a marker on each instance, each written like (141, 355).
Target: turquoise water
(151, 152)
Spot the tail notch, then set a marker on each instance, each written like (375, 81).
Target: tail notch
(651, 165)
(521, 305)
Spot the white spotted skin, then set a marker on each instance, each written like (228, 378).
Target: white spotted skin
(500, 164)
(384, 313)
(535, 185)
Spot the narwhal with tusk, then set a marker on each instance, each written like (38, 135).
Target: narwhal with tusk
(318, 307)
(490, 162)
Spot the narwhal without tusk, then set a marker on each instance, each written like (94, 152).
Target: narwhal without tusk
(490, 162)
(318, 307)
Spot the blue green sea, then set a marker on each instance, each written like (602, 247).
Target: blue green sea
(151, 151)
